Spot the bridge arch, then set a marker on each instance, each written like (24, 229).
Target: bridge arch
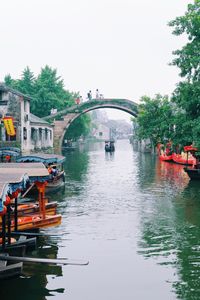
(64, 118)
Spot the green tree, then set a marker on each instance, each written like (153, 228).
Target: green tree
(9, 81)
(27, 82)
(155, 119)
(188, 57)
(50, 93)
(187, 94)
(47, 91)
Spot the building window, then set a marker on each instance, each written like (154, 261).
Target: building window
(50, 135)
(40, 134)
(25, 133)
(46, 134)
(3, 102)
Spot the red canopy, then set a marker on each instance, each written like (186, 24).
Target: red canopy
(190, 148)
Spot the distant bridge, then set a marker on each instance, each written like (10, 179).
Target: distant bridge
(62, 119)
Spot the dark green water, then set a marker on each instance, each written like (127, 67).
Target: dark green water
(137, 221)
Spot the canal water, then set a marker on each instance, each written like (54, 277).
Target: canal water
(137, 221)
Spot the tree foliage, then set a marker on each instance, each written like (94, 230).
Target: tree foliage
(47, 91)
(155, 119)
(178, 119)
(187, 94)
(188, 57)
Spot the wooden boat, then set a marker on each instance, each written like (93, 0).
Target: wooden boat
(54, 164)
(32, 208)
(9, 270)
(9, 185)
(165, 157)
(109, 146)
(35, 221)
(38, 174)
(9, 154)
(194, 171)
(28, 242)
(180, 159)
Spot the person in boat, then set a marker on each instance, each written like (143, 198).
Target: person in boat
(53, 171)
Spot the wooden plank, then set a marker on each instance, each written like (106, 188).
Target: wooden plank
(11, 270)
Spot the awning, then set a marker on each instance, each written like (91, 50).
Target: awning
(42, 157)
(10, 183)
(35, 171)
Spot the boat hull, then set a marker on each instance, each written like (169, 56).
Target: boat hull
(165, 157)
(9, 271)
(32, 208)
(193, 173)
(35, 222)
(178, 159)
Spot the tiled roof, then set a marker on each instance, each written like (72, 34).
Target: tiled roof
(35, 119)
(5, 88)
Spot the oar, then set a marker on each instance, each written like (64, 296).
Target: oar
(63, 261)
(34, 234)
(30, 187)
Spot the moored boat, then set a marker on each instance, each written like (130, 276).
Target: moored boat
(165, 157)
(183, 159)
(37, 174)
(54, 164)
(9, 270)
(194, 171)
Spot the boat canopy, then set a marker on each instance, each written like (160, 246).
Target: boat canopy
(9, 152)
(190, 148)
(14, 149)
(42, 157)
(10, 182)
(35, 171)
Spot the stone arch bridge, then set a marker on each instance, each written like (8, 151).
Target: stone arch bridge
(64, 118)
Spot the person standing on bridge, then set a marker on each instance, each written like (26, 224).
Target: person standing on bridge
(89, 95)
(97, 94)
(78, 100)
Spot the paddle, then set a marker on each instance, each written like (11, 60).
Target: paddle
(34, 234)
(26, 192)
(62, 261)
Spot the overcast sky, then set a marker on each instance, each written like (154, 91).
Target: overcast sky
(121, 47)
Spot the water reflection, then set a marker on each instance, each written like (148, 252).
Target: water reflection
(171, 228)
(33, 284)
(136, 219)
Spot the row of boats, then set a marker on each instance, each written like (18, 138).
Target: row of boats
(190, 158)
(21, 221)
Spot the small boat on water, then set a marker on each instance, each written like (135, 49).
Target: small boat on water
(54, 164)
(9, 270)
(165, 157)
(183, 159)
(9, 154)
(109, 146)
(33, 208)
(68, 145)
(37, 174)
(194, 170)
